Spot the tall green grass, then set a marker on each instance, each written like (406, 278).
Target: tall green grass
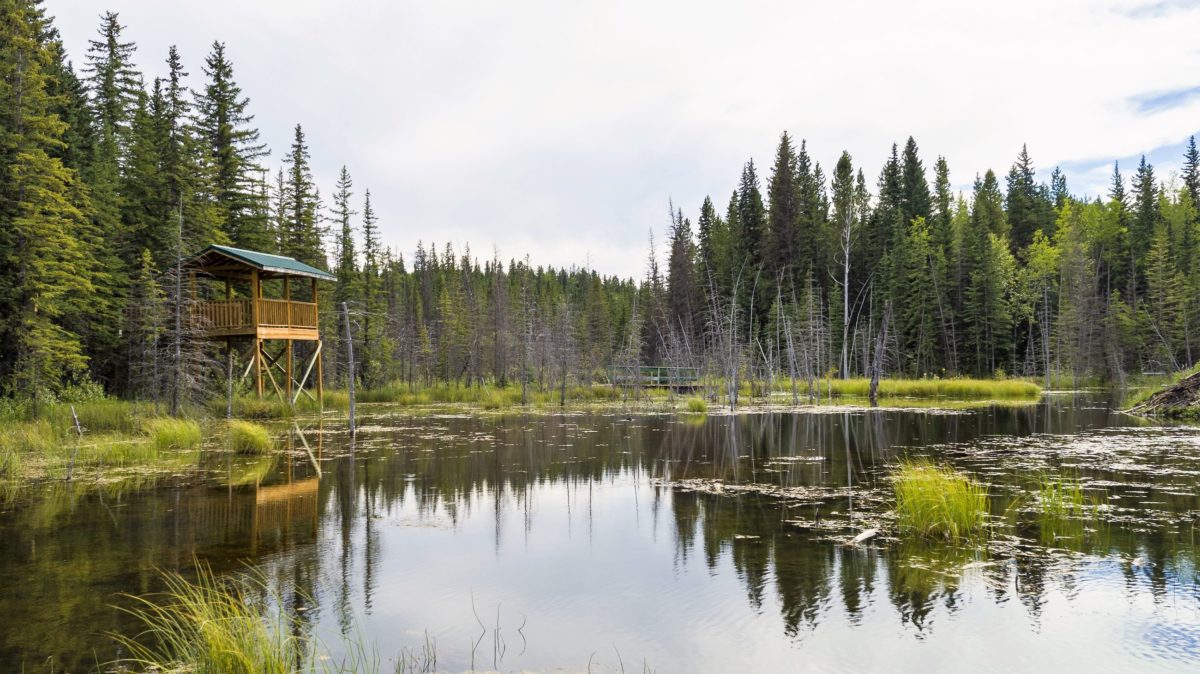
(487, 396)
(1060, 498)
(10, 464)
(247, 437)
(937, 501)
(697, 405)
(234, 626)
(168, 433)
(208, 627)
(960, 389)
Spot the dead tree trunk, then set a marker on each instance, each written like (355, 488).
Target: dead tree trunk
(877, 361)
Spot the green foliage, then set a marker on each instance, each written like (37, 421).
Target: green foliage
(212, 627)
(697, 406)
(952, 389)
(234, 625)
(937, 501)
(168, 433)
(10, 463)
(247, 437)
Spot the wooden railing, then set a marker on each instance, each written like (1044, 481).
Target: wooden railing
(233, 314)
(224, 314)
(655, 376)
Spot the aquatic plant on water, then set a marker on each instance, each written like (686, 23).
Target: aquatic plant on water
(938, 501)
(168, 433)
(247, 437)
(229, 626)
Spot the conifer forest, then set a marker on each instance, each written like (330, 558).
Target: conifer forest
(860, 409)
(109, 179)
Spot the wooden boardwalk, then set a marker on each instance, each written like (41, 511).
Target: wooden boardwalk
(656, 376)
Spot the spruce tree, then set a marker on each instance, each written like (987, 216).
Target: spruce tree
(232, 142)
(299, 220)
(914, 190)
(1143, 224)
(783, 216)
(1022, 201)
(375, 347)
(683, 296)
(46, 276)
(1191, 170)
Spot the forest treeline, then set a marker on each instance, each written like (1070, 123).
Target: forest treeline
(107, 181)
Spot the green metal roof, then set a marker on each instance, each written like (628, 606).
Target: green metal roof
(267, 262)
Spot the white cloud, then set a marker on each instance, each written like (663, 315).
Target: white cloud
(561, 128)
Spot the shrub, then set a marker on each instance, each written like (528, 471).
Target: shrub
(697, 405)
(247, 437)
(938, 501)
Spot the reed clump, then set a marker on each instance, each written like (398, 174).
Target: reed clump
(937, 501)
(210, 627)
(10, 463)
(697, 405)
(237, 625)
(956, 389)
(247, 437)
(168, 433)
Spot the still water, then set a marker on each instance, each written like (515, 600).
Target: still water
(609, 542)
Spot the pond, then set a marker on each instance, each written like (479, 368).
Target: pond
(614, 542)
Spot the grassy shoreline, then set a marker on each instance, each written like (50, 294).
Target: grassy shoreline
(137, 435)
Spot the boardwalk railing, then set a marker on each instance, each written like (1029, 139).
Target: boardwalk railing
(225, 315)
(656, 376)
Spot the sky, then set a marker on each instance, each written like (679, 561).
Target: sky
(562, 130)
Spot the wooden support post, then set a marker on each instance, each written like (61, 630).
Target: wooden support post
(287, 296)
(289, 367)
(320, 375)
(255, 295)
(258, 367)
(228, 369)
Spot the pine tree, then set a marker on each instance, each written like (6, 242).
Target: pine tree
(47, 273)
(375, 346)
(345, 290)
(1142, 225)
(986, 311)
(750, 238)
(115, 87)
(811, 231)
(780, 252)
(299, 220)
(914, 190)
(683, 296)
(1022, 201)
(1191, 170)
(144, 326)
(1058, 188)
(231, 141)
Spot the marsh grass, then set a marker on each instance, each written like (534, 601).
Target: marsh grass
(487, 396)
(1061, 497)
(960, 389)
(937, 501)
(247, 437)
(230, 626)
(10, 463)
(697, 405)
(168, 433)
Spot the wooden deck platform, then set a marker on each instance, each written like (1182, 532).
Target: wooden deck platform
(262, 318)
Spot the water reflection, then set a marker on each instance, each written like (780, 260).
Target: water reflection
(567, 522)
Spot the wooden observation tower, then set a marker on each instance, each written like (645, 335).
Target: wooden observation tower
(274, 322)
